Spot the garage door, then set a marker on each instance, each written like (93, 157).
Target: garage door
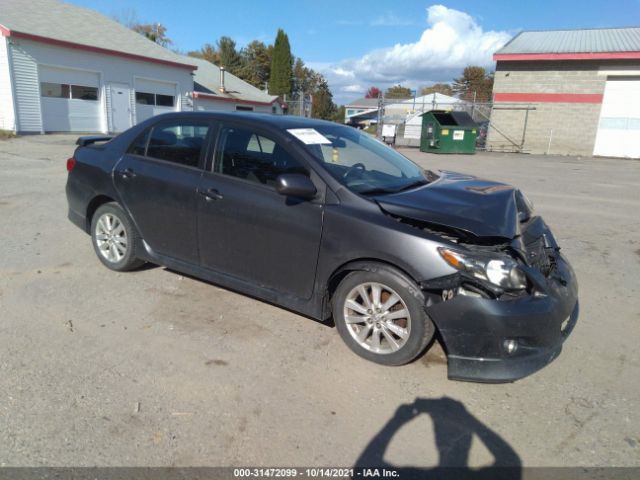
(153, 98)
(70, 100)
(619, 127)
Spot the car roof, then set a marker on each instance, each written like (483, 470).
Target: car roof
(280, 122)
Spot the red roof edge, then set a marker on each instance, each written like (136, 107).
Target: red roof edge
(210, 96)
(566, 56)
(77, 46)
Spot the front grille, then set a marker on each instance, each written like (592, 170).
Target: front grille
(540, 256)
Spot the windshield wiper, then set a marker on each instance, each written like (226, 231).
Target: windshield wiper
(411, 185)
(381, 191)
(376, 191)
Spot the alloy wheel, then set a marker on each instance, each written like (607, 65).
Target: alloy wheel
(111, 237)
(377, 318)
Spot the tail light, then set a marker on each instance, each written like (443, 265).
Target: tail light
(71, 162)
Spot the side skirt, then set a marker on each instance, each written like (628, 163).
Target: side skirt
(308, 307)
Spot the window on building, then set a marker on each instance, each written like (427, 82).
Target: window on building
(164, 100)
(84, 93)
(244, 154)
(244, 108)
(156, 99)
(178, 142)
(63, 90)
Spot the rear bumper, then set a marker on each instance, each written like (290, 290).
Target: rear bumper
(475, 331)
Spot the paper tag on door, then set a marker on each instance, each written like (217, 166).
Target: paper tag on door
(309, 136)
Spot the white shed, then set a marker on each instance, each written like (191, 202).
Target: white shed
(216, 90)
(65, 68)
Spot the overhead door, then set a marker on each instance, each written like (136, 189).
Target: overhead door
(154, 97)
(70, 100)
(619, 128)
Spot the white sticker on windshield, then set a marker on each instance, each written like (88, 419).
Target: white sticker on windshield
(309, 136)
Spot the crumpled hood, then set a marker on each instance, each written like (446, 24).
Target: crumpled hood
(480, 207)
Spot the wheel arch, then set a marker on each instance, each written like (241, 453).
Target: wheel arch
(95, 203)
(360, 264)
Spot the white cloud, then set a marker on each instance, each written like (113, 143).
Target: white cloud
(451, 41)
(390, 19)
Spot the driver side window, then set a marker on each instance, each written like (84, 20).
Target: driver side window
(244, 154)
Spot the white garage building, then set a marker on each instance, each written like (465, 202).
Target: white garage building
(66, 68)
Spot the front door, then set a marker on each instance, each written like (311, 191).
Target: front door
(120, 106)
(245, 228)
(158, 179)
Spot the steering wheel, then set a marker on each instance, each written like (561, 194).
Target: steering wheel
(353, 168)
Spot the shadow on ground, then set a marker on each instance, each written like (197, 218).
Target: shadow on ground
(454, 428)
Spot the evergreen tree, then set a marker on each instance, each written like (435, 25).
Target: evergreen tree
(281, 65)
(229, 57)
(323, 106)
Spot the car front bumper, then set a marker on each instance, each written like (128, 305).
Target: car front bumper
(476, 331)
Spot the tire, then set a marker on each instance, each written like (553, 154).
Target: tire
(114, 238)
(412, 329)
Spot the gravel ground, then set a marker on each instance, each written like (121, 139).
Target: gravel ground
(154, 368)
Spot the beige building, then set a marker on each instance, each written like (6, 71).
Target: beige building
(568, 92)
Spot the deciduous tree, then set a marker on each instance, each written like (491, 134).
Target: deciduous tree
(443, 88)
(256, 63)
(373, 92)
(475, 84)
(398, 91)
(153, 31)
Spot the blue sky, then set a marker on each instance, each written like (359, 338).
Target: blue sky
(357, 44)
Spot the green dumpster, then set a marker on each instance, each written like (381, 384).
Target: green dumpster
(448, 132)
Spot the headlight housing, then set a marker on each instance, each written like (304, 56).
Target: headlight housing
(502, 272)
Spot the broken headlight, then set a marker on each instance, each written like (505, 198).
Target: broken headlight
(502, 272)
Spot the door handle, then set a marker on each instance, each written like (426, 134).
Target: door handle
(211, 194)
(127, 173)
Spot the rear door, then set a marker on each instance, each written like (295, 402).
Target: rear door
(157, 181)
(245, 228)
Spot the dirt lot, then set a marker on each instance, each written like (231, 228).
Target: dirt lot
(152, 368)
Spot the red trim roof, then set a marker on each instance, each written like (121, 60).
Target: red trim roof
(566, 56)
(548, 97)
(77, 46)
(211, 96)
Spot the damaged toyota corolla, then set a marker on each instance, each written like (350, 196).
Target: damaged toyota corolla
(324, 220)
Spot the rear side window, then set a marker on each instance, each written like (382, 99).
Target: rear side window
(178, 142)
(244, 154)
(139, 146)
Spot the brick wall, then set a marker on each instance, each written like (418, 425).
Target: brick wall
(553, 127)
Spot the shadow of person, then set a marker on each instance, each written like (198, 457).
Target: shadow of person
(454, 428)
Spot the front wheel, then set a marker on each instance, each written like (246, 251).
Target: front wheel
(114, 238)
(380, 315)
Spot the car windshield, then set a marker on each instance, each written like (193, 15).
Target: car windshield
(360, 162)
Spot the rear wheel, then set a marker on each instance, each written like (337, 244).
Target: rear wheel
(380, 315)
(114, 238)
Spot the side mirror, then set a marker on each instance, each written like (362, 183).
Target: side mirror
(295, 185)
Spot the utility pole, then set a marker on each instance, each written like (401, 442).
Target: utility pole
(380, 114)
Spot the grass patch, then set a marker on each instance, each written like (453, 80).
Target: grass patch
(371, 129)
(6, 134)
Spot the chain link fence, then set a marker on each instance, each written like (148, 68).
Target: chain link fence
(398, 122)
(299, 104)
